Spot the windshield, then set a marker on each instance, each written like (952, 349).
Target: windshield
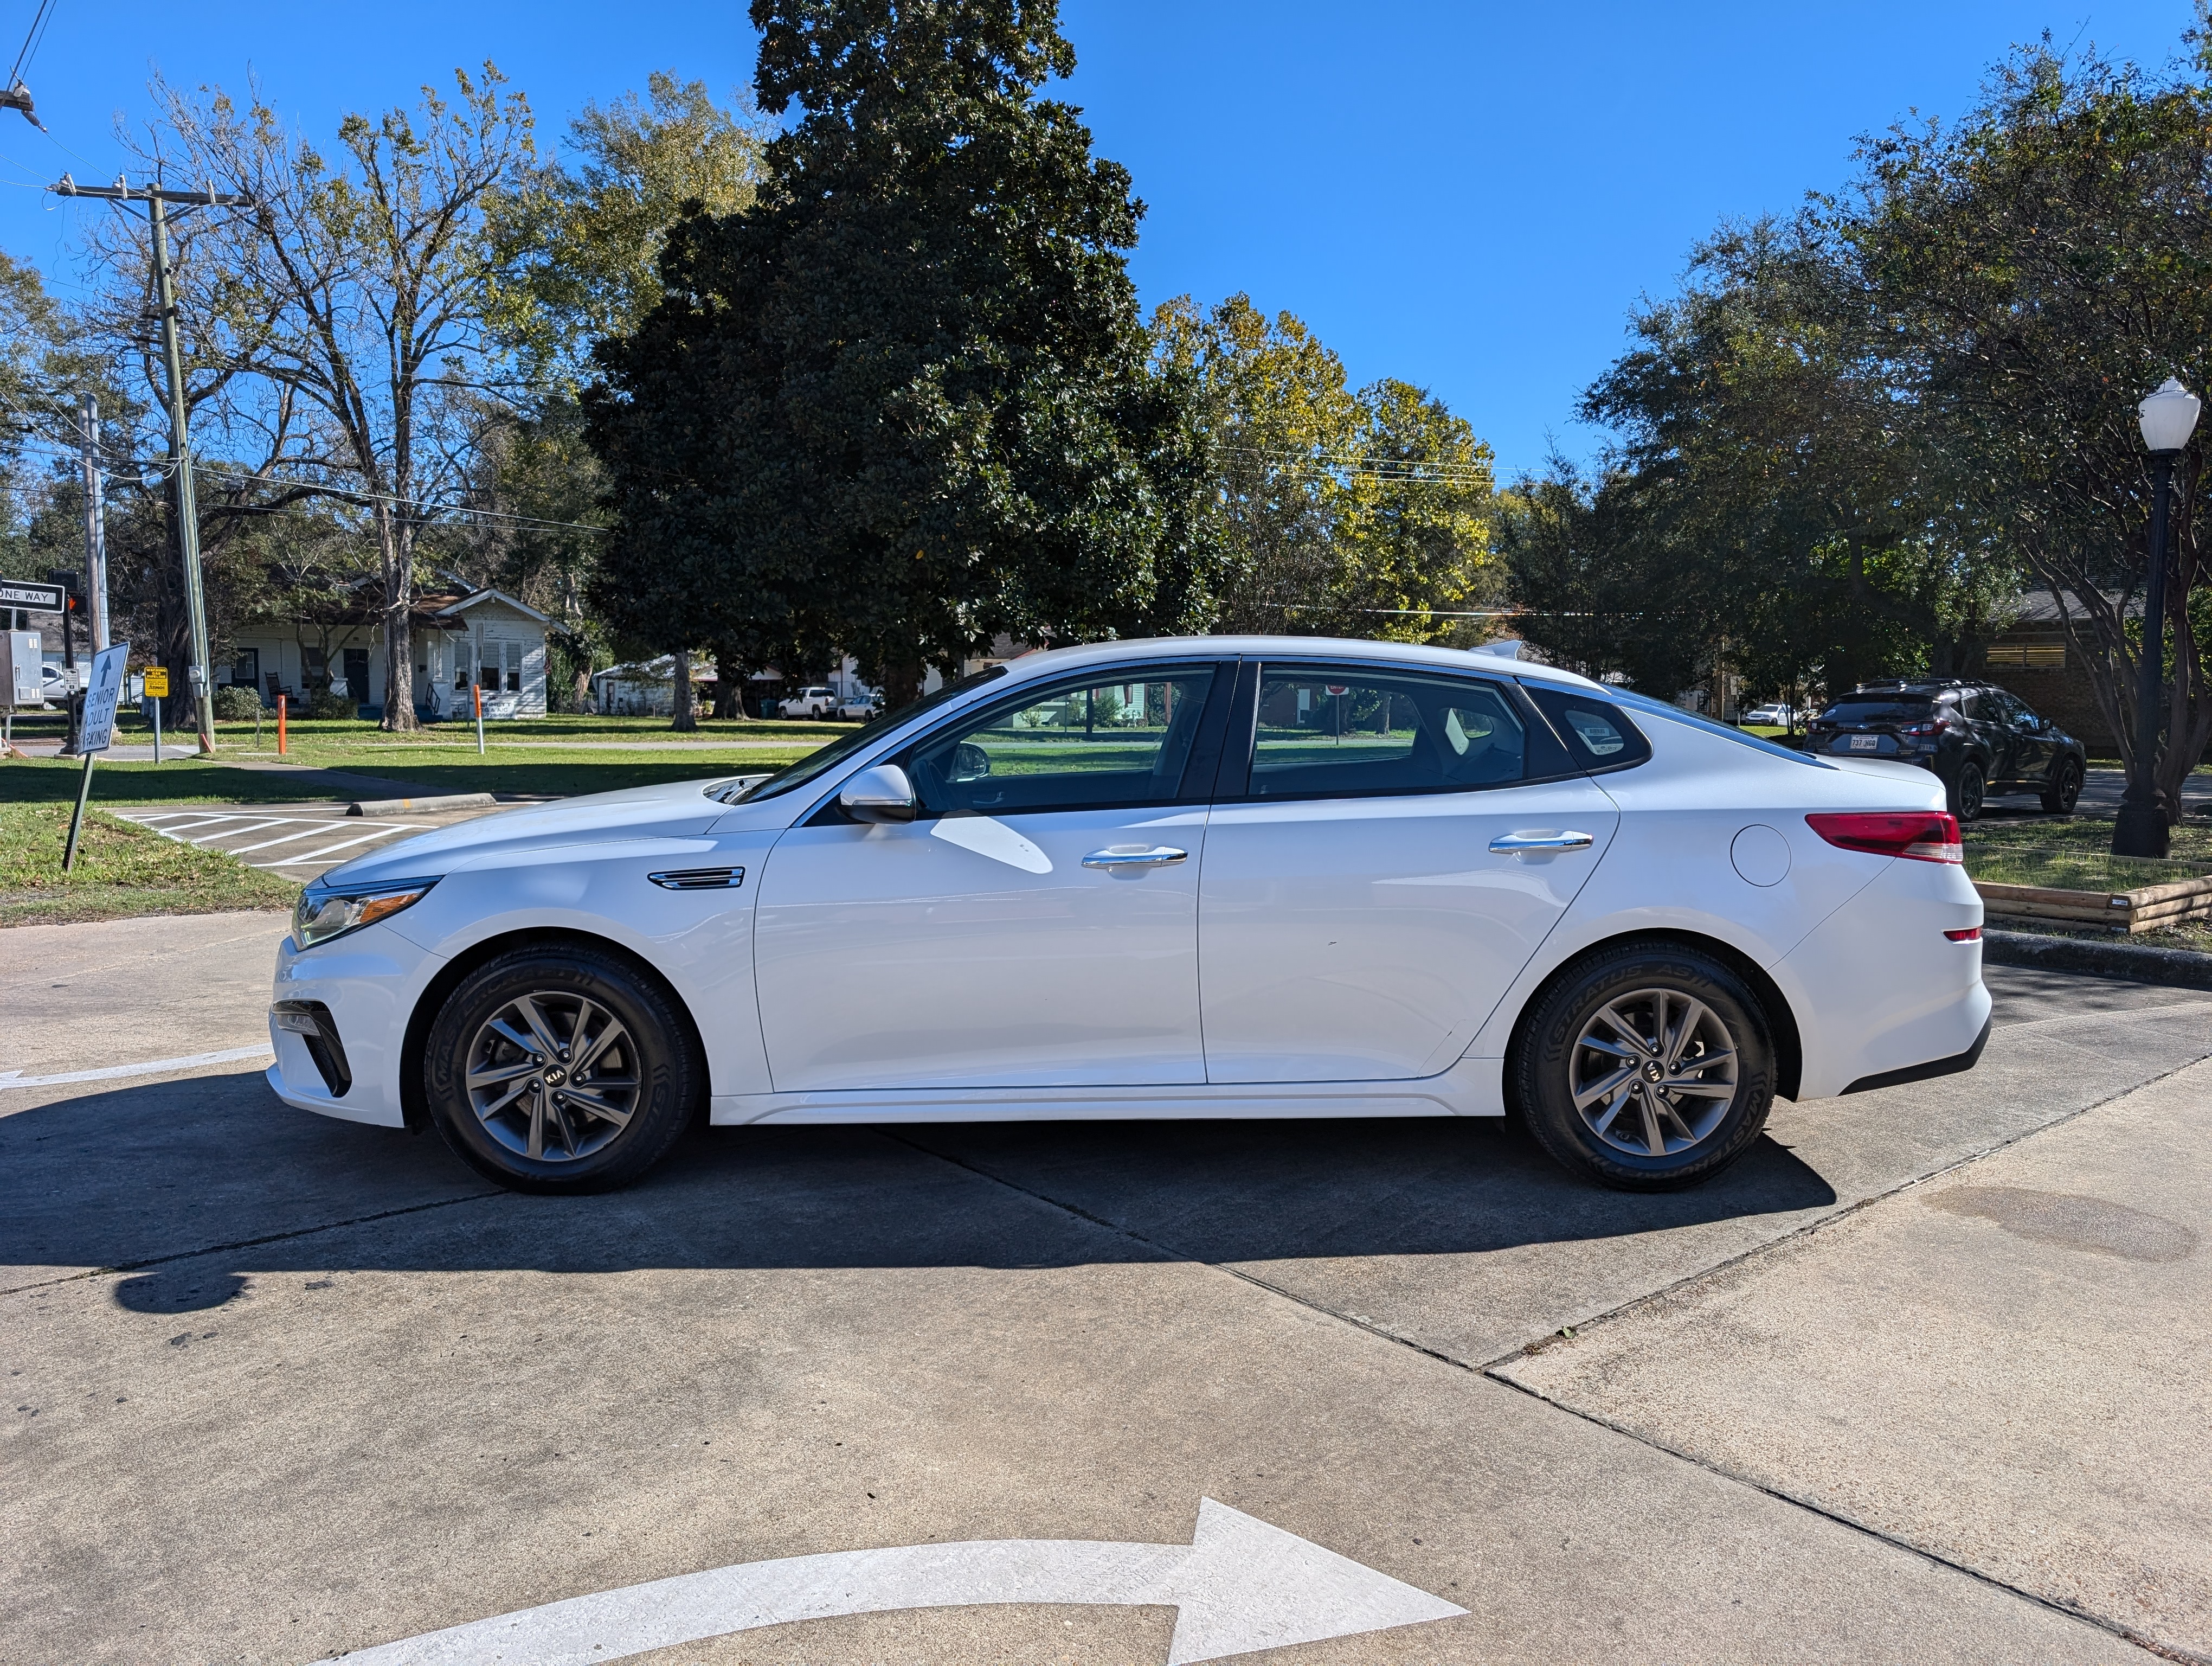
(1644, 702)
(815, 764)
(1880, 708)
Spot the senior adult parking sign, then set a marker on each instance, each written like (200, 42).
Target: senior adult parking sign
(95, 732)
(100, 695)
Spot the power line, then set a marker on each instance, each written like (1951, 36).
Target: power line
(39, 20)
(426, 511)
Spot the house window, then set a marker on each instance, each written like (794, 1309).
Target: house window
(245, 670)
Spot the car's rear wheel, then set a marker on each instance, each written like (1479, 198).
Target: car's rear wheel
(2066, 788)
(1647, 1067)
(559, 1070)
(1966, 796)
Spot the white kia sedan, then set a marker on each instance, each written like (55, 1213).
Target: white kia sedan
(1257, 876)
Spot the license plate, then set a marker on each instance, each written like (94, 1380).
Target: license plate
(1866, 743)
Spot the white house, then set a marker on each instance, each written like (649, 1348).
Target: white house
(462, 639)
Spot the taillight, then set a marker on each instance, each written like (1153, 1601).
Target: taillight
(1972, 934)
(1921, 728)
(1924, 835)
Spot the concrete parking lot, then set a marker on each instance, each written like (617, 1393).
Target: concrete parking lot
(1921, 1380)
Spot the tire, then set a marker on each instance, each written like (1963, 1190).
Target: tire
(2064, 789)
(1966, 796)
(533, 1128)
(1699, 1132)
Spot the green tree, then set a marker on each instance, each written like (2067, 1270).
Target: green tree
(346, 319)
(2030, 272)
(1768, 501)
(902, 404)
(577, 250)
(1338, 513)
(576, 242)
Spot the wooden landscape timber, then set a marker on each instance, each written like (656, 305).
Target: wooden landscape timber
(2143, 909)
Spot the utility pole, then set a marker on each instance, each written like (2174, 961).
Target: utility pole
(202, 678)
(95, 526)
(180, 470)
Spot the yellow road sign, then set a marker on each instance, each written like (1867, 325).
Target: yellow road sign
(157, 682)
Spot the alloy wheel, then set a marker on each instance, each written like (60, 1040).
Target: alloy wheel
(553, 1077)
(1653, 1073)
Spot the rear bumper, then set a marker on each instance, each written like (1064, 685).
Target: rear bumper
(1880, 992)
(1933, 1068)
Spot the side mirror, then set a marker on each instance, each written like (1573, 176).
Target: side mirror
(881, 794)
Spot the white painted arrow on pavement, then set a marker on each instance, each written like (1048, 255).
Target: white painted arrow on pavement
(1239, 1585)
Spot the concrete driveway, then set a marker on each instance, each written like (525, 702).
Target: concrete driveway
(280, 1388)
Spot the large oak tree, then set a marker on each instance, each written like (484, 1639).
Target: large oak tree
(902, 404)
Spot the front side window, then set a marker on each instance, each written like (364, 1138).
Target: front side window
(819, 762)
(1068, 746)
(1328, 732)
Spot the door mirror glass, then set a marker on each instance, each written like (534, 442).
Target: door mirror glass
(883, 793)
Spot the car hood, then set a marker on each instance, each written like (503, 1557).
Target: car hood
(672, 810)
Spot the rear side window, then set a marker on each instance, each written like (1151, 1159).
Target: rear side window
(1343, 731)
(1598, 734)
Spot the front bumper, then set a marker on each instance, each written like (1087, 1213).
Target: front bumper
(361, 989)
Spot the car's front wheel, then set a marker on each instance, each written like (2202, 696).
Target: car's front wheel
(1647, 1067)
(560, 1070)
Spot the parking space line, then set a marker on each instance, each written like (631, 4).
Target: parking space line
(236, 832)
(15, 1078)
(307, 832)
(317, 855)
(171, 829)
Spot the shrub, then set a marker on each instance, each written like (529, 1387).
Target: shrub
(321, 702)
(236, 704)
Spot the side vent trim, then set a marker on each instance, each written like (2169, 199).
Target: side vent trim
(699, 878)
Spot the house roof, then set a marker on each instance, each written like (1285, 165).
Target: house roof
(474, 597)
(2040, 607)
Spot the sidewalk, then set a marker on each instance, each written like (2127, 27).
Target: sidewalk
(2003, 1367)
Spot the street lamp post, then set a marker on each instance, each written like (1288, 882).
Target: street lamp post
(2168, 418)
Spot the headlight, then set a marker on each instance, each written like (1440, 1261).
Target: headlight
(321, 914)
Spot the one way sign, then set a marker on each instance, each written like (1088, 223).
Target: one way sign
(33, 598)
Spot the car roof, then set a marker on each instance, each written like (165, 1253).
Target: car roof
(1046, 662)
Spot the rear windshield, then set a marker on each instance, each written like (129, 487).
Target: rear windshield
(1880, 708)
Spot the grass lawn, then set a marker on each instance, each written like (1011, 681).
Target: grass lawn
(121, 871)
(560, 756)
(2075, 854)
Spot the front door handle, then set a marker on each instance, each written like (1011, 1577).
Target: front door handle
(1119, 857)
(1506, 844)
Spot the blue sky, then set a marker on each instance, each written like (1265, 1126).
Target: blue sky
(1467, 196)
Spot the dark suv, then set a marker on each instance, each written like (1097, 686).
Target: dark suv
(1977, 738)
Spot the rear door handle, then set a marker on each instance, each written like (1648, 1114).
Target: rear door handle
(1159, 856)
(1506, 844)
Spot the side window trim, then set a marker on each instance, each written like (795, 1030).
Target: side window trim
(1244, 718)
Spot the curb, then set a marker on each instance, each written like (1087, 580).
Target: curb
(2178, 967)
(405, 807)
